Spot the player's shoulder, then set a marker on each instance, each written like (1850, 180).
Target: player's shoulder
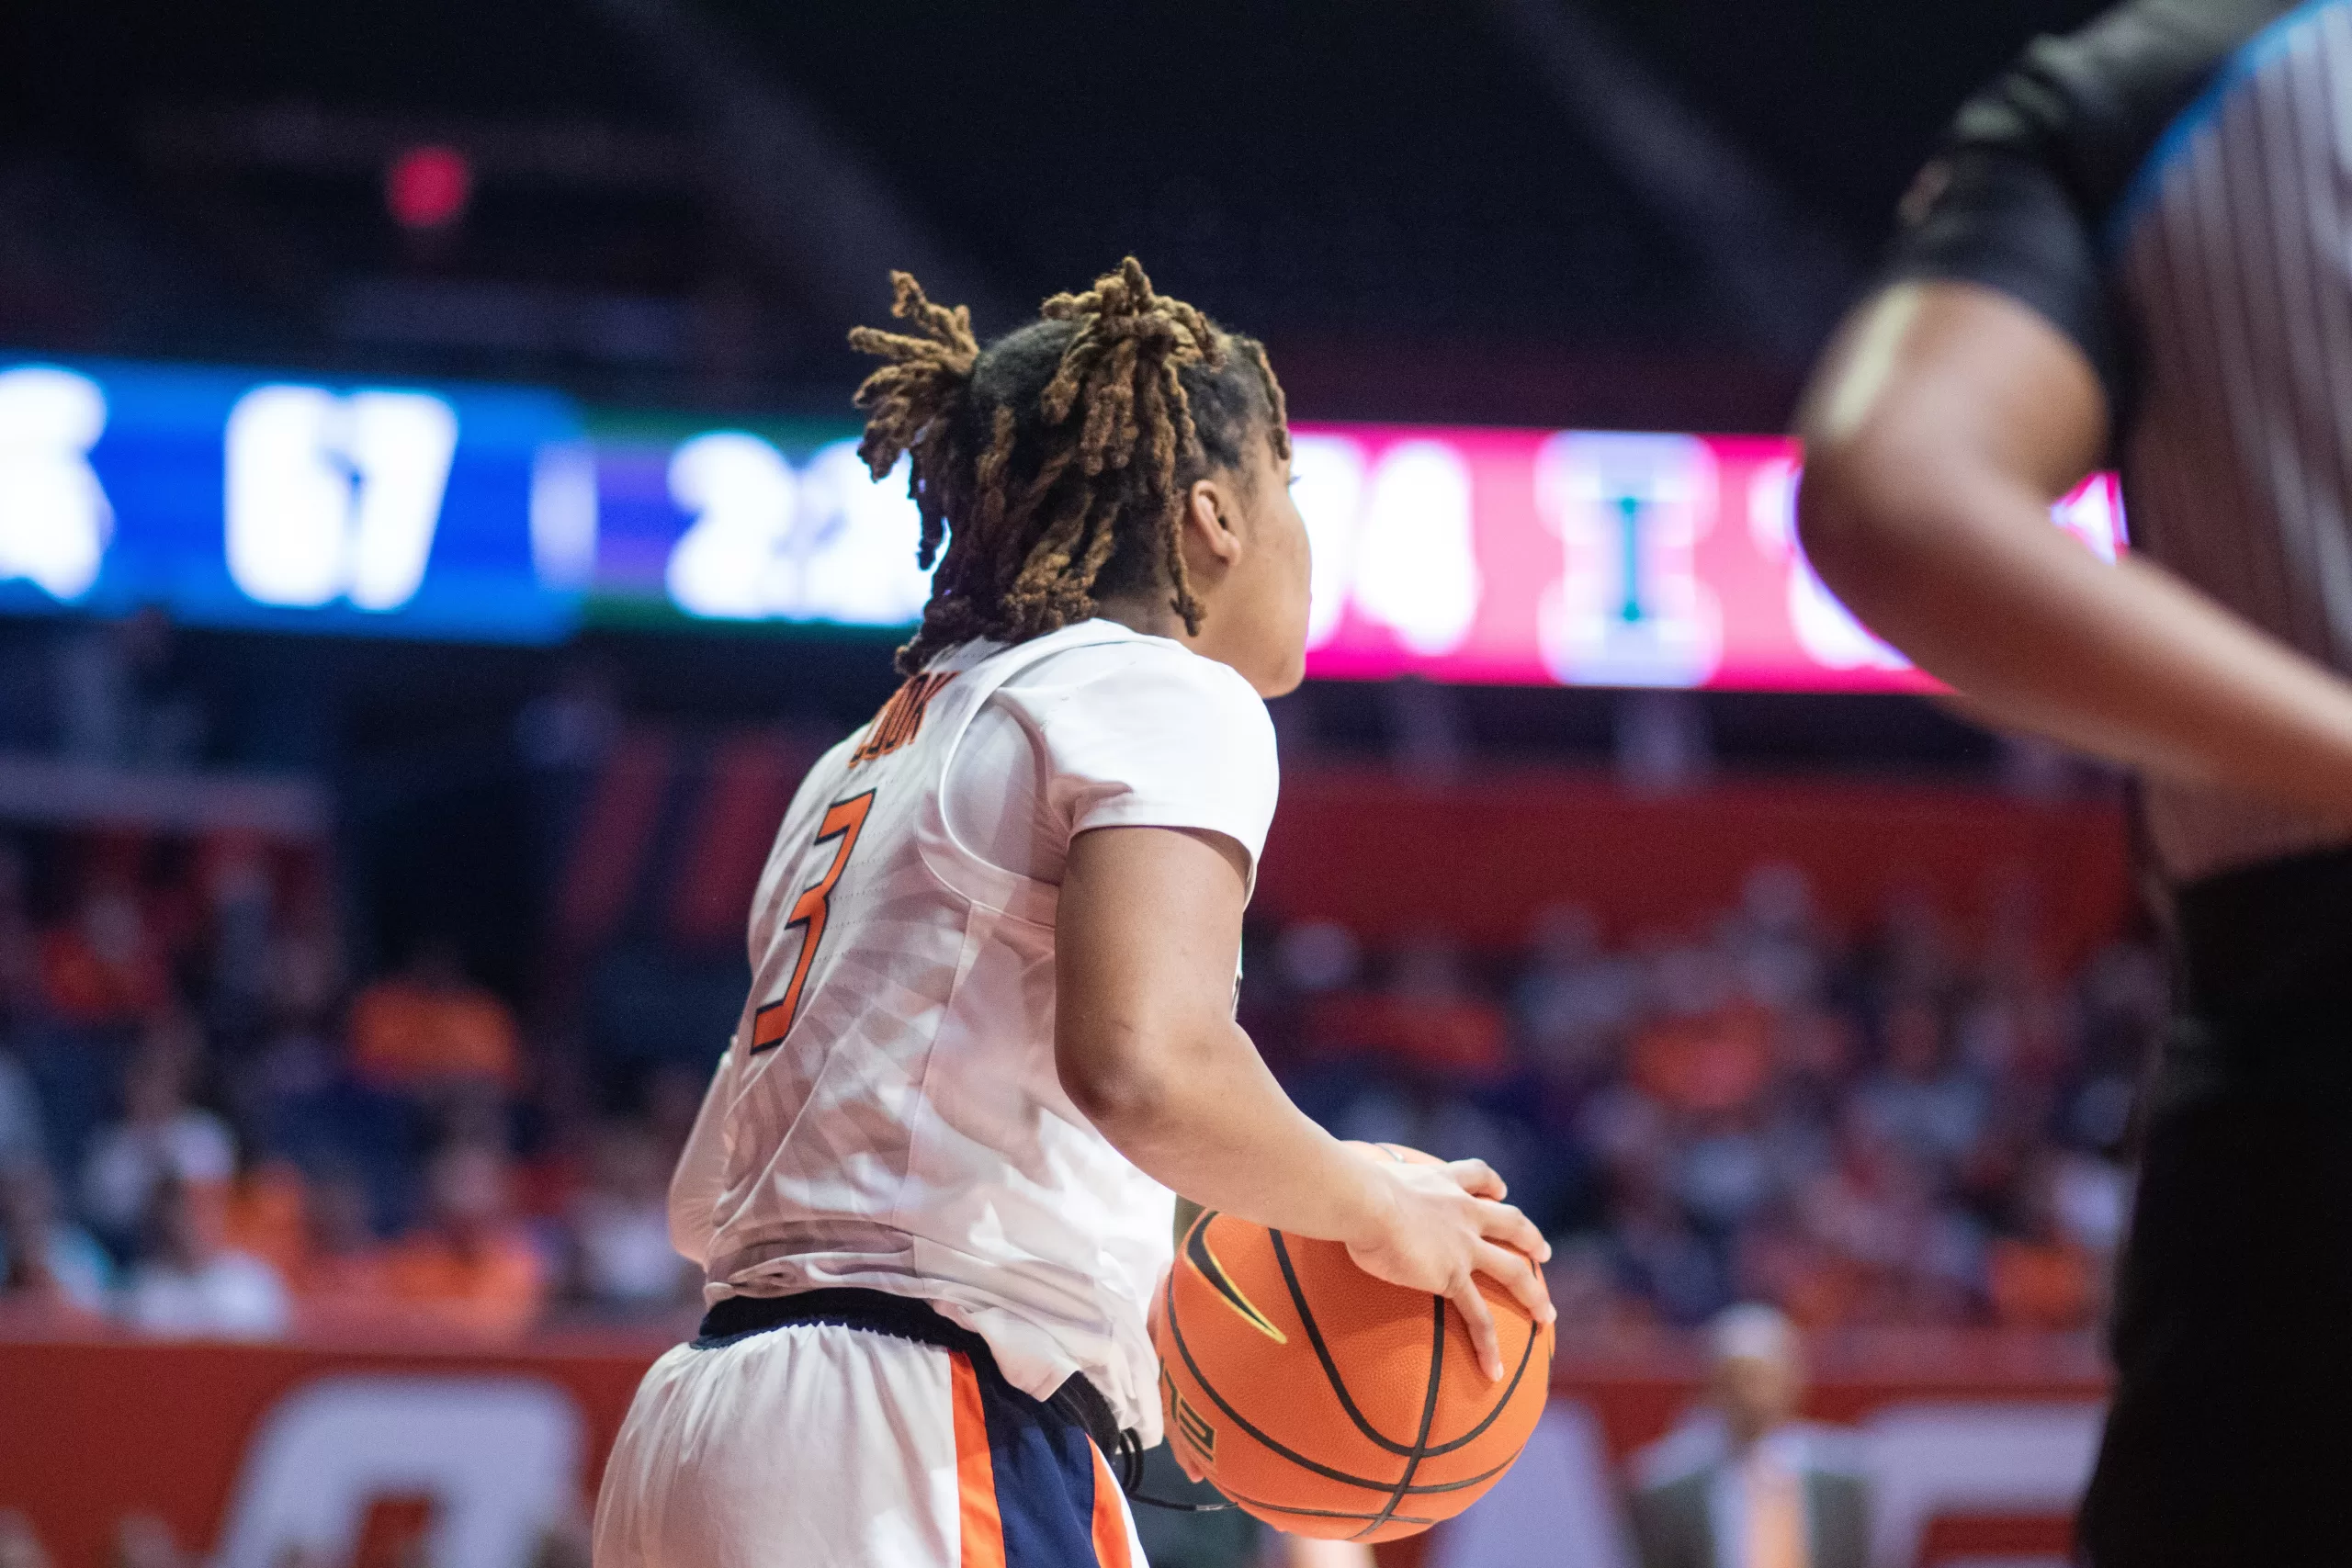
(2095, 103)
(1170, 729)
(1139, 679)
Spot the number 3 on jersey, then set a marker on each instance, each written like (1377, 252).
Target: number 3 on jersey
(811, 911)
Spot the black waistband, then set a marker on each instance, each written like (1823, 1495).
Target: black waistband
(906, 1317)
(876, 1311)
(2270, 945)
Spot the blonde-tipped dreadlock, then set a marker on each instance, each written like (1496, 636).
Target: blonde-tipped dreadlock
(1053, 465)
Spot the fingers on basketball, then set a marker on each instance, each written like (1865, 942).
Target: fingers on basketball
(1329, 1402)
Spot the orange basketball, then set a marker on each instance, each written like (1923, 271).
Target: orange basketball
(1329, 1402)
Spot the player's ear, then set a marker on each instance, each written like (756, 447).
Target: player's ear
(1212, 515)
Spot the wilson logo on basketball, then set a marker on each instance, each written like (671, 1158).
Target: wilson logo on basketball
(1197, 1253)
(1196, 1429)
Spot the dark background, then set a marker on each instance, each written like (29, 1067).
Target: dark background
(1423, 219)
(1400, 198)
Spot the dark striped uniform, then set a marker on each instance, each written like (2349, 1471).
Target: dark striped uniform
(2172, 189)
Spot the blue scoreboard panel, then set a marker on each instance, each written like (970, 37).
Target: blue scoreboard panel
(292, 502)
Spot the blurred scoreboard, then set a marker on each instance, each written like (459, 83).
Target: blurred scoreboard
(1586, 558)
(769, 523)
(1504, 557)
(503, 514)
(293, 503)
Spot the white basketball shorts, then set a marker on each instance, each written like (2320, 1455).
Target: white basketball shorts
(819, 1445)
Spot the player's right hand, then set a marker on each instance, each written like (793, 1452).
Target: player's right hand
(1437, 1228)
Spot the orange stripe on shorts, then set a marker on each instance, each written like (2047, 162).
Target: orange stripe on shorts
(1110, 1519)
(982, 1528)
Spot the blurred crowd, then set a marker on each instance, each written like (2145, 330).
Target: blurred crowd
(207, 1128)
(1915, 1125)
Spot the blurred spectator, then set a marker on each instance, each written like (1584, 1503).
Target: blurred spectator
(621, 1255)
(42, 1254)
(1744, 1482)
(1725, 1171)
(1744, 1108)
(1438, 1019)
(305, 966)
(1780, 1260)
(428, 1028)
(1662, 1257)
(161, 1137)
(1429, 1018)
(263, 1215)
(341, 1258)
(20, 945)
(123, 697)
(104, 966)
(471, 1268)
(20, 1137)
(1710, 1051)
(1593, 1311)
(1910, 954)
(1575, 1001)
(2042, 1278)
(143, 1541)
(240, 914)
(674, 1096)
(1315, 956)
(191, 1284)
(1877, 1210)
(1775, 950)
(2090, 1200)
(19, 1547)
(1920, 1101)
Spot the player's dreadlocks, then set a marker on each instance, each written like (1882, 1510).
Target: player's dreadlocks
(1054, 463)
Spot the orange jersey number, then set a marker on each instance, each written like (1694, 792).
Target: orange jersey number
(810, 910)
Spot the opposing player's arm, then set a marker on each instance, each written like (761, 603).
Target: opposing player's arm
(1146, 936)
(1945, 420)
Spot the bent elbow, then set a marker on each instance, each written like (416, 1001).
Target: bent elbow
(1851, 519)
(1112, 1088)
(1828, 513)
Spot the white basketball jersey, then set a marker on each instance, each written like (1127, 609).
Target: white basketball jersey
(890, 1114)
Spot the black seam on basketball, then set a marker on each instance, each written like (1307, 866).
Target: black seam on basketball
(1339, 1387)
(1184, 1349)
(1319, 1513)
(1502, 1401)
(1176, 1332)
(1323, 1352)
(1428, 1415)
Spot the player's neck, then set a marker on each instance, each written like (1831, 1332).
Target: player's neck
(1152, 615)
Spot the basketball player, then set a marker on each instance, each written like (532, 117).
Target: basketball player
(2139, 242)
(991, 1022)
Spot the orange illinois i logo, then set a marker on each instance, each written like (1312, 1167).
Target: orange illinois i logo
(811, 911)
(900, 718)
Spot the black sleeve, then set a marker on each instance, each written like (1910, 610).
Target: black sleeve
(2018, 195)
(2003, 218)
